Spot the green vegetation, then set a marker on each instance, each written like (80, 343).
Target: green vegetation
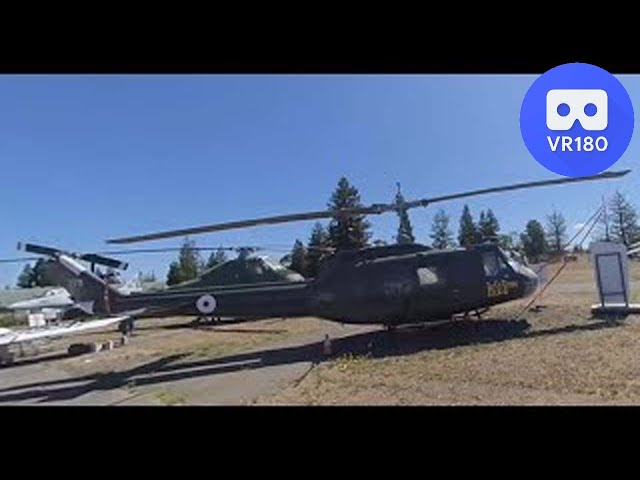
(441, 235)
(188, 265)
(351, 361)
(343, 232)
(170, 398)
(298, 261)
(216, 258)
(347, 232)
(533, 241)
(7, 320)
(317, 251)
(488, 225)
(468, 231)
(31, 277)
(556, 231)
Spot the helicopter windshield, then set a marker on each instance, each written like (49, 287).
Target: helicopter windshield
(514, 259)
(494, 263)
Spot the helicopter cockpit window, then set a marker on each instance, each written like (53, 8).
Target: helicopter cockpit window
(493, 263)
(515, 260)
(427, 276)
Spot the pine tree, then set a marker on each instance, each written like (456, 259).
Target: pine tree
(39, 274)
(482, 220)
(188, 266)
(347, 231)
(316, 249)
(624, 220)
(468, 233)
(533, 240)
(173, 276)
(26, 279)
(441, 235)
(216, 258)
(189, 259)
(405, 230)
(298, 262)
(488, 225)
(556, 232)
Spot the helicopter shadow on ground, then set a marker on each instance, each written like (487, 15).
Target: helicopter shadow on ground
(376, 344)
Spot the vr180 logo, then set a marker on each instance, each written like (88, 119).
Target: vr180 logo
(589, 107)
(577, 119)
(582, 144)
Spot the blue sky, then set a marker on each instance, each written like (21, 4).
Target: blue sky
(90, 157)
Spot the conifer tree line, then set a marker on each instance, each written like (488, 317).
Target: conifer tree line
(190, 263)
(539, 238)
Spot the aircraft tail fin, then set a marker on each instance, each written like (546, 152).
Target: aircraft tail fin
(92, 294)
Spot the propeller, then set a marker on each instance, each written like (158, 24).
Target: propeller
(374, 209)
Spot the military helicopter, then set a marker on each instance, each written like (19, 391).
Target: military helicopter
(388, 285)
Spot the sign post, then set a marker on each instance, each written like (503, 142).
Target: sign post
(611, 270)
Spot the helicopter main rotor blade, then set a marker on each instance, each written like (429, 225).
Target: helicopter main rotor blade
(176, 249)
(19, 260)
(227, 226)
(516, 186)
(374, 209)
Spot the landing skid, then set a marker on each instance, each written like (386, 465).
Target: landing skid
(454, 318)
(207, 320)
(467, 315)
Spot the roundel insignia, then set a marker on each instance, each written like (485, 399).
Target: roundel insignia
(206, 304)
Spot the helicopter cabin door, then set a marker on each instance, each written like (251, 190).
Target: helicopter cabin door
(449, 283)
(465, 276)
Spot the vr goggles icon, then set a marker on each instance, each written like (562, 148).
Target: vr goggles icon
(589, 107)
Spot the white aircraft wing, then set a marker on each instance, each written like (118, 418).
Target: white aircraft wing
(8, 337)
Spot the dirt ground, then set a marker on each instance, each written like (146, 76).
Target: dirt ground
(556, 354)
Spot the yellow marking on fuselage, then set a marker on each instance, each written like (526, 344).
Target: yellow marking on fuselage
(501, 288)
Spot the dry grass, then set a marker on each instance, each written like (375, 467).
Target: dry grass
(170, 398)
(564, 357)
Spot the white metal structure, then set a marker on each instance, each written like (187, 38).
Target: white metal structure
(8, 336)
(611, 270)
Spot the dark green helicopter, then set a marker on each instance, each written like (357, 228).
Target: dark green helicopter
(389, 285)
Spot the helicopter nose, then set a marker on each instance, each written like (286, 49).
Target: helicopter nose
(530, 280)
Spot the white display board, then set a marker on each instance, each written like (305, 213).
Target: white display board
(37, 320)
(611, 270)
